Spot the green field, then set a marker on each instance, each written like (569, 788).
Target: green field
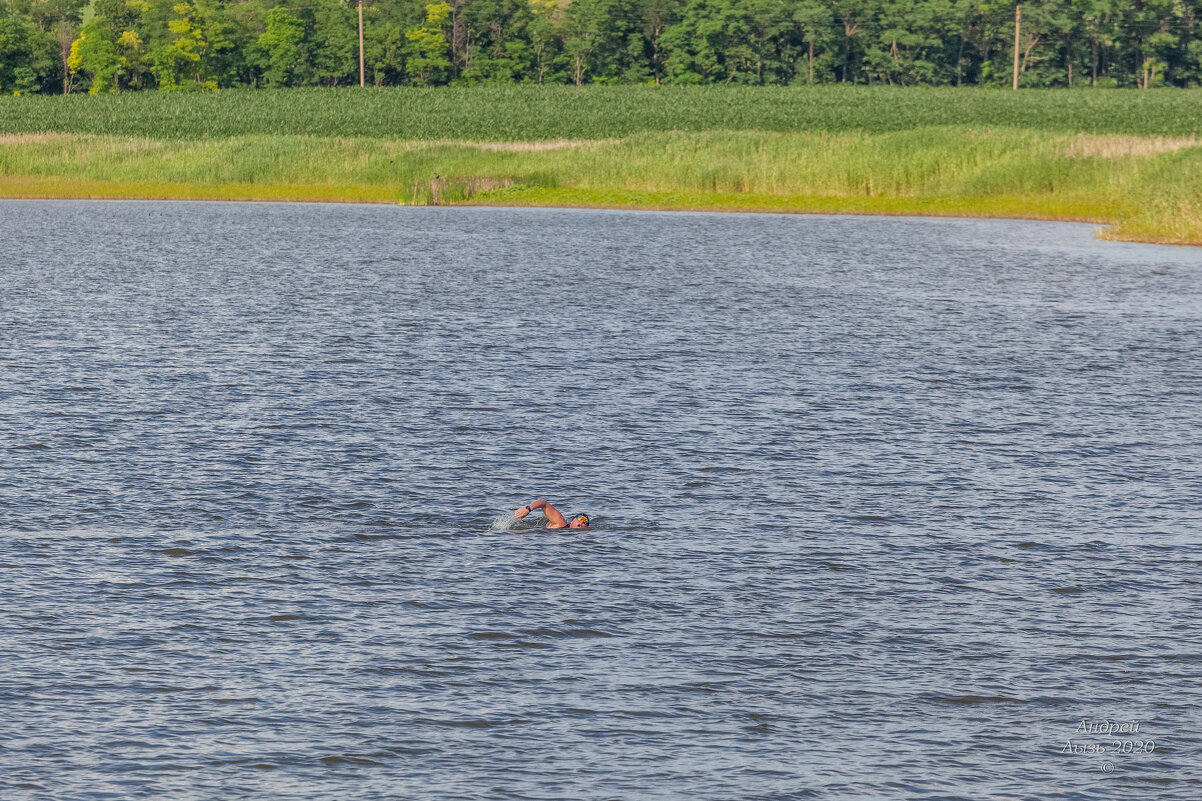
(1124, 158)
(516, 113)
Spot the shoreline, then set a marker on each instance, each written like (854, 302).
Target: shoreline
(835, 207)
(1130, 164)
(1136, 189)
(879, 206)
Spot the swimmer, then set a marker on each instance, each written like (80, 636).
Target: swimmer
(554, 518)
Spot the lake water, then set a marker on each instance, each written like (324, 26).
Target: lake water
(883, 508)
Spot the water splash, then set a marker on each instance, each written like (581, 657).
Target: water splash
(510, 523)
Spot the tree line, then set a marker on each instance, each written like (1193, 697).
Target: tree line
(67, 46)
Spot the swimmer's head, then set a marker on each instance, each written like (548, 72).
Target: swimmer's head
(578, 521)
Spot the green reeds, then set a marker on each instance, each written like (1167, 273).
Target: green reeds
(1150, 188)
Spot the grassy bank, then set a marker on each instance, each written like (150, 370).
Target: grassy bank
(1123, 158)
(1148, 188)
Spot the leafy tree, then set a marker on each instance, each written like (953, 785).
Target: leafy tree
(765, 23)
(1161, 45)
(335, 43)
(604, 40)
(657, 16)
(94, 55)
(384, 52)
(697, 43)
(545, 20)
(174, 44)
(815, 22)
(429, 60)
(496, 51)
(16, 56)
(282, 45)
(184, 60)
(583, 32)
(909, 40)
(990, 25)
(1095, 22)
(57, 22)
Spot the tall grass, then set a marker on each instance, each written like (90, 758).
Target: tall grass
(1150, 188)
(513, 113)
(1122, 157)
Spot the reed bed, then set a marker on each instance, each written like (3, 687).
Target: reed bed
(1129, 159)
(1151, 192)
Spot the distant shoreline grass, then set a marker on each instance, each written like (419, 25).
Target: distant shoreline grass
(1146, 188)
(1128, 160)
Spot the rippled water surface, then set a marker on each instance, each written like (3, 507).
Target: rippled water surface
(882, 508)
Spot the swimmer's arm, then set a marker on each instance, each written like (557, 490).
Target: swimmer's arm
(554, 518)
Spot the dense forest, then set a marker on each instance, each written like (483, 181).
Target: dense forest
(68, 46)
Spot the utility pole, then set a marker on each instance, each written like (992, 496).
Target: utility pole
(1018, 21)
(361, 78)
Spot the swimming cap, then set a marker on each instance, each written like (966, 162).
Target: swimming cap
(579, 514)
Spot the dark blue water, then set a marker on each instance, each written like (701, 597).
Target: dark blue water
(882, 508)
